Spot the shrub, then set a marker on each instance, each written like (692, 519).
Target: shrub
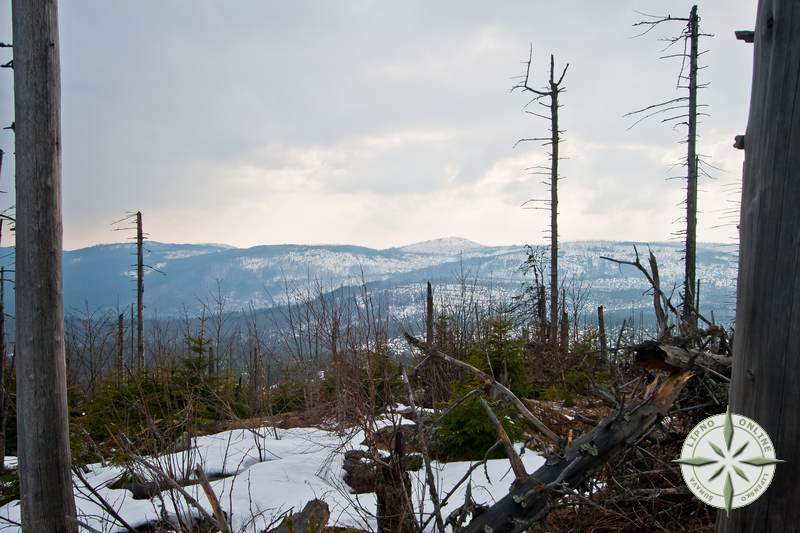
(467, 432)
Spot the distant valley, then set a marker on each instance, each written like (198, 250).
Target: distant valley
(185, 275)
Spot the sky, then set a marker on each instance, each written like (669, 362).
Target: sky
(379, 123)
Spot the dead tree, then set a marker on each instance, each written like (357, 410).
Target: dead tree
(139, 292)
(766, 367)
(47, 500)
(683, 111)
(139, 238)
(120, 363)
(662, 303)
(547, 98)
(429, 315)
(601, 326)
(3, 371)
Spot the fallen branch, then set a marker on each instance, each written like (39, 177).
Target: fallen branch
(174, 485)
(426, 456)
(212, 499)
(513, 458)
(652, 354)
(100, 500)
(531, 499)
(490, 382)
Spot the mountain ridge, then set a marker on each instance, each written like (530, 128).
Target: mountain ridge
(101, 276)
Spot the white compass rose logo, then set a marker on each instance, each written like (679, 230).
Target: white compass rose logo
(728, 461)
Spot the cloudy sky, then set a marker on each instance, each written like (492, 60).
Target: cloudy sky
(377, 123)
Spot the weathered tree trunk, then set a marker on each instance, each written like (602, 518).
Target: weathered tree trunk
(689, 313)
(47, 500)
(429, 315)
(541, 313)
(601, 325)
(139, 292)
(554, 134)
(3, 374)
(134, 362)
(766, 365)
(120, 366)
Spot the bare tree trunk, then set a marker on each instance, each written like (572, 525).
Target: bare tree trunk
(601, 324)
(3, 377)
(541, 312)
(766, 365)
(429, 315)
(120, 367)
(689, 313)
(47, 500)
(133, 361)
(553, 89)
(139, 292)
(554, 134)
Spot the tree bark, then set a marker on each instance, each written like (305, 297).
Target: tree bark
(120, 366)
(689, 314)
(429, 315)
(601, 324)
(47, 500)
(766, 365)
(139, 292)
(554, 134)
(3, 373)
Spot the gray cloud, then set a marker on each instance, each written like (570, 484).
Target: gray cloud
(373, 123)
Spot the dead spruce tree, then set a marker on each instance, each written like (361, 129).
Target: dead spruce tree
(683, 111)
(48, 503)
(139, 238)
(767, 341)
(547, 98)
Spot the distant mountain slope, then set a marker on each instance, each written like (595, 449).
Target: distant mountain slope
(446, 245)
(102, 276)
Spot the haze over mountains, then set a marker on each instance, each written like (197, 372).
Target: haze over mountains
(102, 276)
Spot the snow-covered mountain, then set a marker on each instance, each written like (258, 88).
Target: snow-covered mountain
(443, 246)
(102, 276)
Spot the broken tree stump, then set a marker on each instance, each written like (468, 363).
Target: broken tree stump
(312, 519)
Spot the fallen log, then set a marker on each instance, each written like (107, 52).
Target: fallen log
(655, 355)
(530, 499)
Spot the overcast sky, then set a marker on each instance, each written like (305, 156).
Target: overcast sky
(377, 123)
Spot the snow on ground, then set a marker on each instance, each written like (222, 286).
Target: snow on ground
(269, 476)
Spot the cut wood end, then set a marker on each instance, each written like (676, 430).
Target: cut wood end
(670, 388)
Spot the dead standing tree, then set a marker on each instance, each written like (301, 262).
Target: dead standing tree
(48, 503)
(767, 341)
(683, 111)
(547, 98)
(140, 237)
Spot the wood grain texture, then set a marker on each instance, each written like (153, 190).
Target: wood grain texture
(766, 369)
(43, 438)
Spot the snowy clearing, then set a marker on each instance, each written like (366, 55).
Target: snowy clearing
(302, 464)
